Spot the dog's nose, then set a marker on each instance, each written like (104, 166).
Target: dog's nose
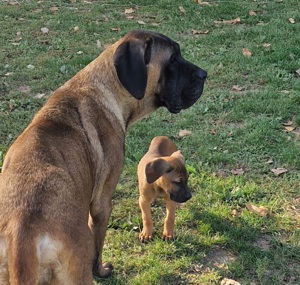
(200, 73)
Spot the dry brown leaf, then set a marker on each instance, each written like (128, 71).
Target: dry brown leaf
(232, 22)
(266, 45)
(226, 281)
(237, 88)
(203, 3)
(99, 44)
(141, 22)
(289, 128)
(298, 71)
(247, 52)
(129, 11)
(239, 171)
(40, 95)
(270, 161)
(296, 132)
(13, 3)
(76, 29)
(130, 17)
(198, 32)
(45, 30)
(292, 20)
(115, 29)
(198, 268)
(181, 9)
(262, 211)
(279, 171)
(252, 13)
(54, 9)
(184, 133)
(17, 39)
(288, 123)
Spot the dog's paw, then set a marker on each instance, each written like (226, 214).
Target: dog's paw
(104, 271)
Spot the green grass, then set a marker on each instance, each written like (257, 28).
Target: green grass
(217, 236)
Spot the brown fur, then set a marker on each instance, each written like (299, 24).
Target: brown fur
(59, 175)
(161, 174)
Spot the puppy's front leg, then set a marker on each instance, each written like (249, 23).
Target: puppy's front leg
(99, 217)
(168, 233)
(145, 205)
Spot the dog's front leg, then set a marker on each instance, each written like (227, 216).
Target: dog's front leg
(99, 216)
(168, 233)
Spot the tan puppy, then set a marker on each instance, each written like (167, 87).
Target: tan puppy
(59, 175)
(162, 174)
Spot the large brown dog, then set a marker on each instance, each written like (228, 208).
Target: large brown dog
(162, 174)
(59, 175)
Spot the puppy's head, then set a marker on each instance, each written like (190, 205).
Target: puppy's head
(169, 173)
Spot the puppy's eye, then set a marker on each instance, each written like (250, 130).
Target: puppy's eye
(169, 170)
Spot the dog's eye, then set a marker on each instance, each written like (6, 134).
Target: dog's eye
(173, 58)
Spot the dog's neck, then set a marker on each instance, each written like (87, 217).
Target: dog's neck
(113, 92)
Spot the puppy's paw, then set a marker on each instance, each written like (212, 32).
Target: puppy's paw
(145, 236)
(104, 270)
(168, 237)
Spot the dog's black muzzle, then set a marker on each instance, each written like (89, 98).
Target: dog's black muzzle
(193, 90)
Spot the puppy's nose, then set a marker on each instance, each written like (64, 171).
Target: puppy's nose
(188, 196)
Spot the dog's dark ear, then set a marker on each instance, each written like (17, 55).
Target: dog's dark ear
(155, 169)
(131, 60)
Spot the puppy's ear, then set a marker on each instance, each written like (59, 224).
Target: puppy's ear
(131, 60)
(178, 155)
(156, 168)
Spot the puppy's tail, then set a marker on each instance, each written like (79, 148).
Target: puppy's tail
(22, 259)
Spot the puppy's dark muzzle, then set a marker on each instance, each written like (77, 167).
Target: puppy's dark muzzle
(181, 197)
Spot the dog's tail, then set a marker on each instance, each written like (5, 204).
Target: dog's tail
(22, 259)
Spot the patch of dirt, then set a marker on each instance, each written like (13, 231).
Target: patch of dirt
(293, 208)
(218, 258)
(263, 242)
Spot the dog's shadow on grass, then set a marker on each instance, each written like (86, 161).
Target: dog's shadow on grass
(234, 247)
(230, 246)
